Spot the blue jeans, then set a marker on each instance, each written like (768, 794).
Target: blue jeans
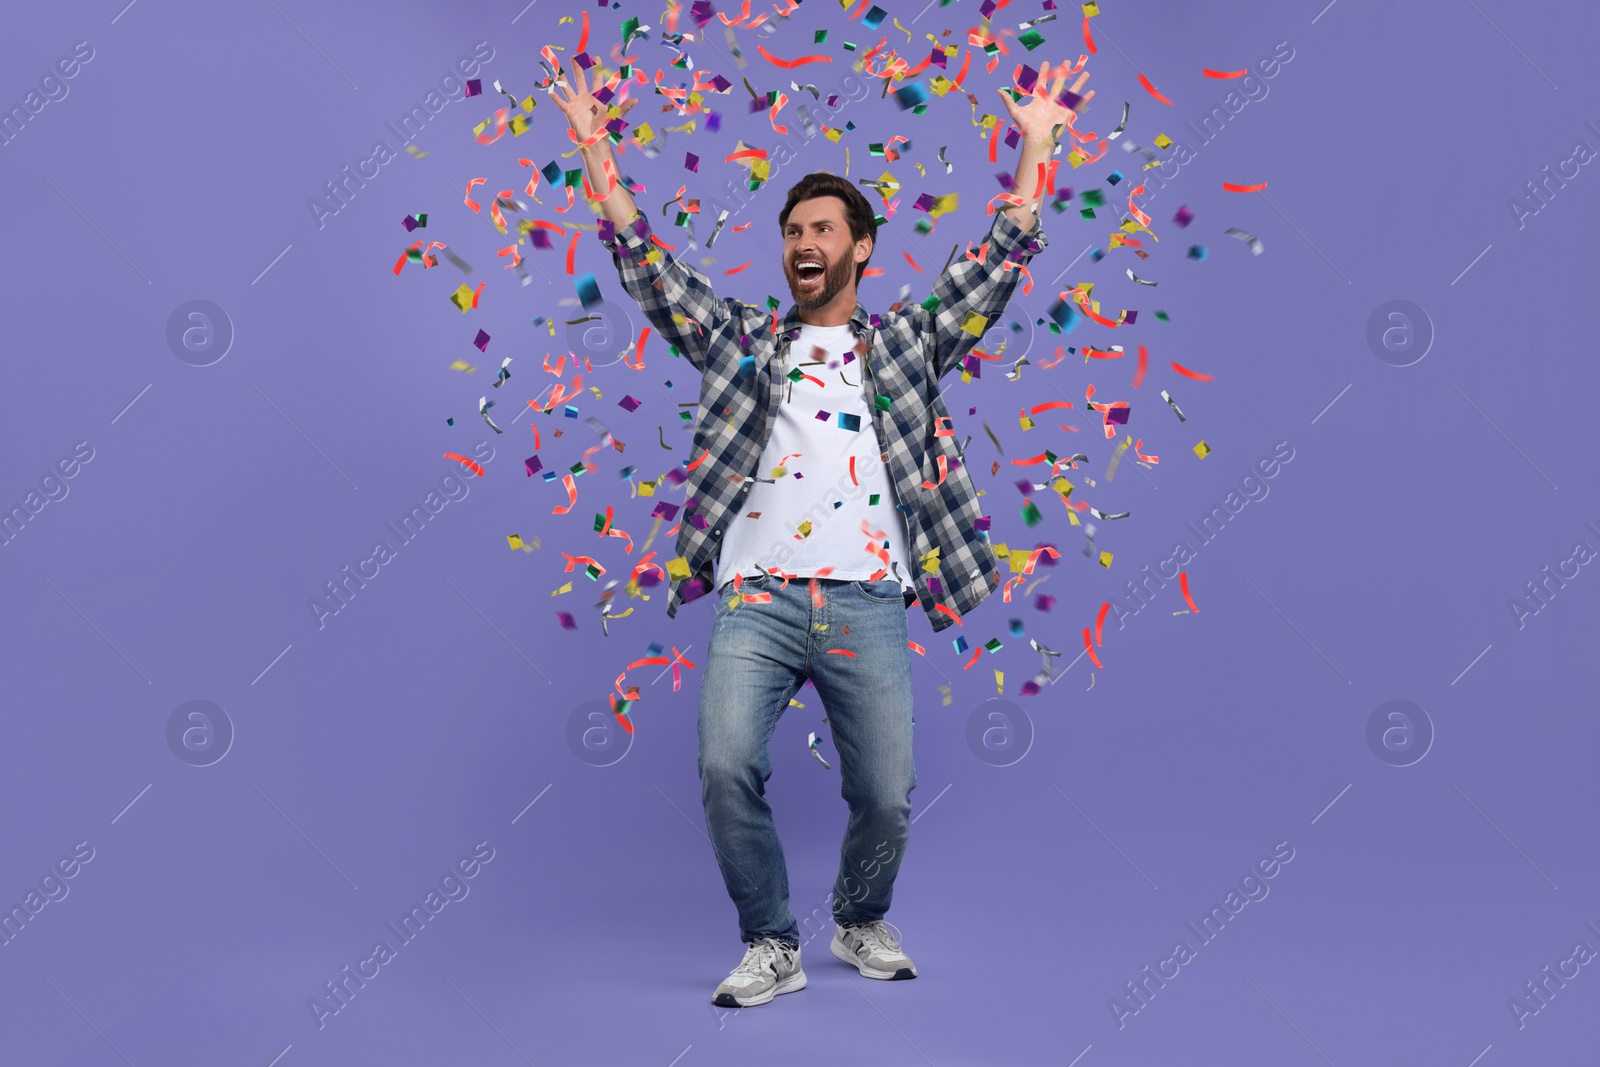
(759, 656)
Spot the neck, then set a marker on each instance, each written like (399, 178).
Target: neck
(835, 312)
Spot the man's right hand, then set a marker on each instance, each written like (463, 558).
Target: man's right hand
(585, 116)
(584, 113)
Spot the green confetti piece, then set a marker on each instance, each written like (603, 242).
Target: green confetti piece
(1087, 213)
(932, 303)
(1031, 40)
(1030, 514)
(1162, 316)
(881, 402)
(993, 645)
(819, 37)
(1094, 198)
(872, 499)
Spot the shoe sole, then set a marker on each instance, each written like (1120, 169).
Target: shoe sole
(840, 951)
(795, 981)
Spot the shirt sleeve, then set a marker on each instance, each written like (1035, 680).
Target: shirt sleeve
(981, 287)
(677, 299)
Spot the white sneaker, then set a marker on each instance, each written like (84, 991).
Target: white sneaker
(769, 967)
(873, 950)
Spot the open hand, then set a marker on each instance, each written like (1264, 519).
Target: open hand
(584, 113)
(1045, 112)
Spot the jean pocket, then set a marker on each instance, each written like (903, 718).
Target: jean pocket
(883, 591)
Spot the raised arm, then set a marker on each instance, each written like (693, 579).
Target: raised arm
(587, 116)
(1041, 123)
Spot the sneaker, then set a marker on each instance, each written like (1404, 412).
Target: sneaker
(873, 950)
(769, 967)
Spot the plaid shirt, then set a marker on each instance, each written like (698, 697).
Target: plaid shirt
(734, 346)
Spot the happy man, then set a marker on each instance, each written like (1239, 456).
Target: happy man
(776, 391)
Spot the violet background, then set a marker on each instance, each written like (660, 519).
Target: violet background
(430, 713)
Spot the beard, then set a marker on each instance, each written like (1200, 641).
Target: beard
(835, 276)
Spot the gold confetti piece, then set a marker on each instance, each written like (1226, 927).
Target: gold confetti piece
(1163, 141)
(944, 693)
(903, 30)
(1105, 560)
(974, 324)
(564, 589)
(1202, 450)
(463, 365)
(999, 679)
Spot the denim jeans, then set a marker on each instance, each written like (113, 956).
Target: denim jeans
(760, 654)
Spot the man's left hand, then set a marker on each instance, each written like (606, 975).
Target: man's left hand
(1045, 114)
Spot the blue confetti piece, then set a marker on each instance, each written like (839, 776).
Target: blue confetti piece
(849, 422)
(874, 17)
(1066, 316)
(911, 95)
(588, 290)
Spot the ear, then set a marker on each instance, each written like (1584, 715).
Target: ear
(863, 250)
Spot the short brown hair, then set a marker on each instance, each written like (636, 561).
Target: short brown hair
(858, 212)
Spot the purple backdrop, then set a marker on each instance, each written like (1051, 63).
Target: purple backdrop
(182, 881)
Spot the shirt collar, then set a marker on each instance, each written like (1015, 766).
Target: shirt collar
(860, 321)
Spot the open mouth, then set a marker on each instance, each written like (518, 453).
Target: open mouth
(809, 272)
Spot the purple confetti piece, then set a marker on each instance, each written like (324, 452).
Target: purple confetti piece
(474, 87)
(1183, 217)
(534, 464)
(664, 510)
(628, 403)
(482, 341)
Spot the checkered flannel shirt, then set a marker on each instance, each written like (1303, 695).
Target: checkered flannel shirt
(735, 347)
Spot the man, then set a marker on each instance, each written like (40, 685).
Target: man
(902, 530)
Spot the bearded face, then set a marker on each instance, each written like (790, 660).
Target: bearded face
(819, 260)
(814, 279)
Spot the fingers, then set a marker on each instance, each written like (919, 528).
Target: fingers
(578, 77)
(1011, 106)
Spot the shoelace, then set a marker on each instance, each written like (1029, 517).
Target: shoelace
(760, 956)
(876, 936)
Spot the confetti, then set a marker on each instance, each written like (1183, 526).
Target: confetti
(1230, 187)
(1252, 240)
(1187, 373)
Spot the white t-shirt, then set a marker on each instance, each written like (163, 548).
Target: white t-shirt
(815, 486)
